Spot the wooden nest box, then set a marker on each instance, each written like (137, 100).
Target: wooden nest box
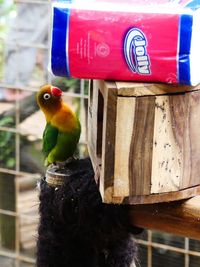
(144, 141)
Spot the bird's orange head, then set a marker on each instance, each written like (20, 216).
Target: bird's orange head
(49, 99)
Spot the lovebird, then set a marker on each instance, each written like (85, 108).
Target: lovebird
(62, 132)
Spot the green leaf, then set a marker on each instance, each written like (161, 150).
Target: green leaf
(10, 163)
(5, 121)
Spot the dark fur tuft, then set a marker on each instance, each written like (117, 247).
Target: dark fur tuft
(77, 230)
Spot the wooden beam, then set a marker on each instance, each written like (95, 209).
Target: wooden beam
(179, 218)
(150, 89)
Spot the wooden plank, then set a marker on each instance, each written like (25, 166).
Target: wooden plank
(108, 142)
(94, 137)
(176, 157)
(124, 131)
(167, 144)
(158, 198)
(96, 164)
(105, 84)
(92, 118)
(179, 218)
(148, 89)
(157, 144)
(191, 152)
(179, 113)
(140, 157)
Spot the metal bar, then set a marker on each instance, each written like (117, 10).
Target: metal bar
(8, 129)
(82, 96)
(16, 214)
(149, 249)
(20, 173)
(13, 256)
(187, 257)
(35, 89)
(167, 247)
(17, 168)
(17, 137)
(23, 44)
(33, 2)
(82, 83)
(15, 130)
(16, 86)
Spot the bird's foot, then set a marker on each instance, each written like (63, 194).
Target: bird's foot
(56, 166)
(69, 160)
(60, 165)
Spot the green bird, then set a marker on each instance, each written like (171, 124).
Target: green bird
(63, 129)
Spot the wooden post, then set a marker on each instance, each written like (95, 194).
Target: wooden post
(108, 140)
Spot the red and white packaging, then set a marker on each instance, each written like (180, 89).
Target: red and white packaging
(132, 40)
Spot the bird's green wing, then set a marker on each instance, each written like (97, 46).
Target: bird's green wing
(50, 136)
(65, 146)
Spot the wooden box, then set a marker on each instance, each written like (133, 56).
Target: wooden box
(144, 141)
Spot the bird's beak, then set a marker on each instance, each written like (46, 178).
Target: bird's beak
(56, 92)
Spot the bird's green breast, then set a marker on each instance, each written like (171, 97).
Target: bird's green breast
(50, 136)
(58, 146)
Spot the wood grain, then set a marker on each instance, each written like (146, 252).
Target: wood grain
(180, 218)
(144, 141)
(102, 85)
(95, 127)
(150, 89)
(140, 156)
(92, 118)
(124, 130)
(167, 161)
(108, 142)
(191, 141)
(161, 197)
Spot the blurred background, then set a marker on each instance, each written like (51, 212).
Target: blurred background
(24, 49)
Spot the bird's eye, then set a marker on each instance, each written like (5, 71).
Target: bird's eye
(46, 96)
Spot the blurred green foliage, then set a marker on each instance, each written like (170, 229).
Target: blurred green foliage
(66, 84)
(7, 145)
(70, 84)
